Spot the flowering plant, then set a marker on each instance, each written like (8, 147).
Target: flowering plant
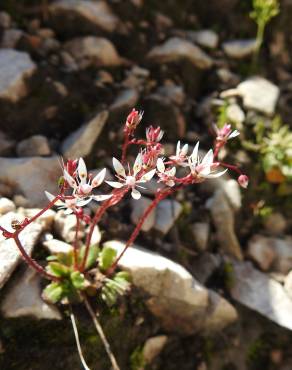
(87, 269)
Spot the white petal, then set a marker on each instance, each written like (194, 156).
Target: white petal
(184, 150)
(234, 134)
(100, 198)
(194, 155)
(138, 164)
(214, 175)
(171, 172)
(119, 167)
(208, 159)
(148, 176)
(83, 202)
(115, 184)
(51, 197)
(69, 179)
(136, 194)
(205, 171)
(160, 165)
(82, 171)
(98, 179)
(68, 211)
(177, 149)
(170, 183)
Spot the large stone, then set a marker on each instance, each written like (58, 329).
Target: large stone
(36, 145)
(31, 176)
(46, 220)
(125, 100)
(223, 218)
(200, 233)
(89, 15)
(261, 252)
(206, 38)
(153, 346)
(93, 51)
(180, 302)
(259, 94)
(80, 142)
(15, 68)
(167, 212)
(176, 49)
(55, 246)
(257, 291)
(6, 205)
(9, 253)
(239, 49)
(24, 299)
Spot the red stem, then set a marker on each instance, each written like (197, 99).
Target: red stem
(31, 262)
(159, 197)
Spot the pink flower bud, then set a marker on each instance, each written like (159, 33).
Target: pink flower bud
(154, 134)
(133, 119)
(243, 181)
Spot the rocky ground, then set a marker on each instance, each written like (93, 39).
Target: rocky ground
(212, 287)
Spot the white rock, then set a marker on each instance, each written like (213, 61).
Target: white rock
(262, 294)
(94, 14)
(65, 227)
(138, 208)
(80, 142)
(31, 176)
(261, 252)
(55, 246)
(126, 99)
(24, 299)
(239, 49)
(206, 38)
(259, 94)
(46, 220)
(235, 113)
(15, 68)
(288, 284)
(180, 302)
(167, 212)
(175, 49)
(91, 50)
(279, 249)
(10, 38)
(6, 205)
(200, 232)
(223, 219)
(9, 254)
(153, 346)
(36, 145)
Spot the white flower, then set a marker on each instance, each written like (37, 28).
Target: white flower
(131, 180)
(225, 133)
(205, 168)
(180, 156)
(165, 175)
(83, 185)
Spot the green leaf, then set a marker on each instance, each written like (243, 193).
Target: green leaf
(92, 255)
(78, 280)
(53, 292)
(66, 258)
(52, 258)
(107, 258)
(58, 269)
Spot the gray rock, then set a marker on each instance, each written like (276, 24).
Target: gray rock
(260, 251)
(205, 38)
(181, 303)
(15, 68)
(223, 218)
(205, 265)
(31, 176)
(257, 291)
(174, 93)
(80, 143)
(235, 114)
(6, 145)
(93, 51)
(153, 346)
(46, 220)
(125, 100)
(175, 49)
(55, 246)
(200, 232)
(10, 38)
(65, 227)
(138, 208)
(91, 15)
(167, 212)
(6, 205)
(259, 94)
(9, 254)
(239, 49)
(275, 224)
(36, 145)
(24, 299)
